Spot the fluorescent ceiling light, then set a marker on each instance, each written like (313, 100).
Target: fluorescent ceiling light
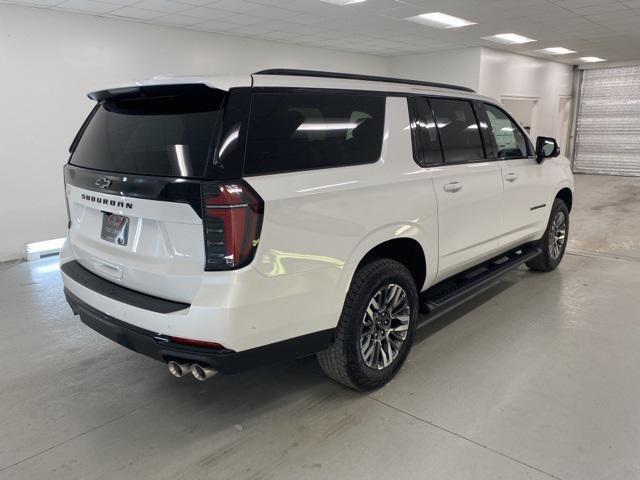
(440, 20)
(558, 50)
(592, 59)
(509, 38)
(343, 2)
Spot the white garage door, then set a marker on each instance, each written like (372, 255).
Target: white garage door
(608, 126)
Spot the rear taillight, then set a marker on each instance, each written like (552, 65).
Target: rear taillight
(67, 192)
(232, 219)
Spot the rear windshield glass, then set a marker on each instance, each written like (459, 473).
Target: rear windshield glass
(298, 131)
(169, 136)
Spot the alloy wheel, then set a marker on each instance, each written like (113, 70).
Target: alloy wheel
(557, 235)
(385, 326)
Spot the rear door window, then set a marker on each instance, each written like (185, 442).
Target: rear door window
(459, 130)
(302, 131)
(426, 144)
(167, 136)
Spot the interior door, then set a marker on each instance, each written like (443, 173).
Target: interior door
(525, 190)
(468, 190)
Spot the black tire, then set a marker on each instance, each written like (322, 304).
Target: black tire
(551, 255)
(344, 361)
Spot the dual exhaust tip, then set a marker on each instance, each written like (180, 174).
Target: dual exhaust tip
(200, 372)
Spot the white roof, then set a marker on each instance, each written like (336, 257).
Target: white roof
(226, 82)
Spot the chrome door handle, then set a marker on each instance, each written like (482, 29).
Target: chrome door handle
(511, 177)
(453, 187)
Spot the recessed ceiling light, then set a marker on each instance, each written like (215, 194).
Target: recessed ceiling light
(343, 2)
(592, 59)
(440, 20)
(509, 38)
(558, 50)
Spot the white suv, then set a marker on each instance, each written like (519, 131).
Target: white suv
(220, 223)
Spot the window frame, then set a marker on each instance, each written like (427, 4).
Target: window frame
(313, 91)
(530, 148)
(417, 138)
(488, 148)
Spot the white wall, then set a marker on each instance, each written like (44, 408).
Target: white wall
(495, 73)
(509, 74)
(50, 60)
(458, 67)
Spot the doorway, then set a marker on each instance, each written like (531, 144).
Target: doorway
(524, 111)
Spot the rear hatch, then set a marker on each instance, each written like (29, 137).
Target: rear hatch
(142, 172)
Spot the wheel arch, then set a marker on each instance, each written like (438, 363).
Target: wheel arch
(566, 195)
(405, 250)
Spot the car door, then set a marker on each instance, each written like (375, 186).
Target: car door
(525, 187)
(468, 186)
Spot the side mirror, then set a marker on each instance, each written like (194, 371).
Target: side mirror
(546, 147)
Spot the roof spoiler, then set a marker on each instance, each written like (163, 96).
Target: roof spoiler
(171, 85)
(149, 91)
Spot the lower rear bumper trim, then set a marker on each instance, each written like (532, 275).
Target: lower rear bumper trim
(162, 349)
(84, 277)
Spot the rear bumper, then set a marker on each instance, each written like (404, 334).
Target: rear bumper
(161, 348)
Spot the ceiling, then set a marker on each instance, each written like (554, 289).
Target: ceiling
(602, 28)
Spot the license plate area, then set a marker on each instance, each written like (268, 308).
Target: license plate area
(115, 228)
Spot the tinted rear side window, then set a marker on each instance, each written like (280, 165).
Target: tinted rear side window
(426, 144)
(167, 136)
(458, 129)
(299, 131)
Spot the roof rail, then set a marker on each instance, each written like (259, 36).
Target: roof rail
(355, 76)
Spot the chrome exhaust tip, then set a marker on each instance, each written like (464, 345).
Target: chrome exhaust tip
(178, 370)
(202, 373)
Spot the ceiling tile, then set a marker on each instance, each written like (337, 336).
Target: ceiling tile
(594, 27)
(122, 3)
(136, 13)
(216, 26)
(87, 6)
(245, 19)
(206, 13)
(37, 3)
(166, 6)
(601, 8)
(237, 6)
(197, 3)
(274, 12)
(179, 20)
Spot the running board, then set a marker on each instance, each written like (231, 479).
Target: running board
(453, 291)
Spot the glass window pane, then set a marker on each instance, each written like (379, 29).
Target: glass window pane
(458, 129)
(509, 138)
(167, 136)
(423, 127)
(291, 131)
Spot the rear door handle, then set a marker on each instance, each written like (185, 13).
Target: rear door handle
(452, 187)
(511, 177)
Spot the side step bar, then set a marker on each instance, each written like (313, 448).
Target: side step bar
(451, 292)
